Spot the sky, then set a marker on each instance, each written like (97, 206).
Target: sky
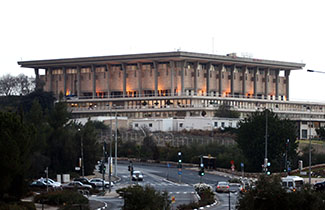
(281, 30)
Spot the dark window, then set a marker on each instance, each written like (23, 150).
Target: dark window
(215, 124)
(136, 125)
(150, 125)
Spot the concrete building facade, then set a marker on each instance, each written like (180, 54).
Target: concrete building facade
(174, 85)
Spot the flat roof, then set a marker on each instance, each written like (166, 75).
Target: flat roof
(229, 59)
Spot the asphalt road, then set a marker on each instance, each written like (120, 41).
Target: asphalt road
(165, 178)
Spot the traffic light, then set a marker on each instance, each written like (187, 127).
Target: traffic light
(201, 171)
(179, 160)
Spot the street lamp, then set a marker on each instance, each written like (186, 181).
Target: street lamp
(309, 128)
(82, 154)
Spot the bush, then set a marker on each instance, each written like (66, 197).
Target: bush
(137, 197)
(206, 194)
(17, 206)
(269, 194)
(59, 198)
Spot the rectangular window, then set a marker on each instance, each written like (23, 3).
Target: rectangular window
(150, 125)
(222, 124)
(136, 125)
(215, 124)
(181, 125)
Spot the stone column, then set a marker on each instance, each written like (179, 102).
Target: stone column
(220, 79)
(124, 79)
(287, 74)
(172, 68)
(196, 66)
(183, 66)
(266, 93)
(232, 91)
(93, 69)
(208, 66)
(49, 70)
(78, 82)
(37, 78)
(244, 81)
(277, 84)
(155, 65)
(64, 81)
(255, 82)
(140, 79)
(108, 69)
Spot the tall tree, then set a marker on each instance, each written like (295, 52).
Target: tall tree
(251, 140)
(16, 139)
(7, 85)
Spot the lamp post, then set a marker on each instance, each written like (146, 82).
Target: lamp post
(309, 128)
(115, 167)
(82, 153)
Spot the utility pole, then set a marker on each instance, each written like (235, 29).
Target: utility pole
(115, 171)
(265, 158)
(82, 156)
(110, 160)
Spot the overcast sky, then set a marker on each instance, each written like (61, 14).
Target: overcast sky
(282, 30)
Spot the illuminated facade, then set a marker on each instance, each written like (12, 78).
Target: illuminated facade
(172, 84)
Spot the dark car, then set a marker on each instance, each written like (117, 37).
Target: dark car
(77, 185)
(40, 185)
(320, 186)
(84, 180)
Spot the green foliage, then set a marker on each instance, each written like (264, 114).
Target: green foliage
(225, 111)
(321, 132)
(146, 198)
(16, 139)
(59, 198)
(17, 206)
(269, 194)
(251, 140)
(206, 197)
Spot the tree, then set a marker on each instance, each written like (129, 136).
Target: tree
(7, 85)
(225, 111)
(251, 140)
(321, 132)
(268, 194)
(16, 139)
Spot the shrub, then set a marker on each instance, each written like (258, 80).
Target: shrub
(206, 194)
(59, 198)
(17, 206)
(137, 197)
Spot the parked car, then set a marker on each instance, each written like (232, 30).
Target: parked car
(40, 185)
(84, 180)
(222, 187)
(51, 182)
(78, 185)
(99, 182)
(137, 176)
(320, 186)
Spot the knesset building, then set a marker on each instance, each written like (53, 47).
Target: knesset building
(175, 84)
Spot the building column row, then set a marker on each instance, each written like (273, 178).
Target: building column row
(172, 69)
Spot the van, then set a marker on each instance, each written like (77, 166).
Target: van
(292, 183)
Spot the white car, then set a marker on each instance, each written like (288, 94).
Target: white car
(137, 176)
(99, 182)
(51, 182)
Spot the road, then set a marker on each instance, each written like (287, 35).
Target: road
(180, 187)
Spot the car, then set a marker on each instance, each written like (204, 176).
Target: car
(222, 187)
(40, 185)
(320, 186)
(77, 185)
(84, 180)
(137, 176)
(235, 187)
(99, 182)
(51, 182)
